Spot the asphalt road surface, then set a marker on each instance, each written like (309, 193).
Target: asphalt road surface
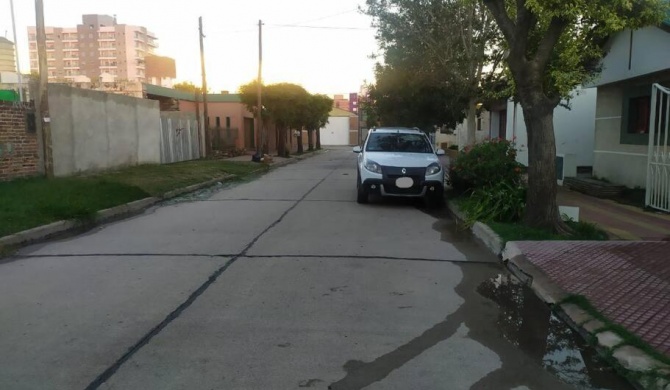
(284, 282)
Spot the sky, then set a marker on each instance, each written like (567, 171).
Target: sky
(333, 58)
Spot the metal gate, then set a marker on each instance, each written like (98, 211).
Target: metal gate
(658, 171)
(179, 137)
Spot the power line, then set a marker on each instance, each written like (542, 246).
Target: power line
(300, 24)
(325, 17)
(320, 27)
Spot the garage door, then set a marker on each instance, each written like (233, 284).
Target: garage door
(336, 132)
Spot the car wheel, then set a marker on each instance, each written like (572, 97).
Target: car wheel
(362, 193)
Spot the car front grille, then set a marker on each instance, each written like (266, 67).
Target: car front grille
(392, 189)
(391, 174)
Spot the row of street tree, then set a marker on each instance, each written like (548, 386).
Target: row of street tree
(288, 107)
(439, 58)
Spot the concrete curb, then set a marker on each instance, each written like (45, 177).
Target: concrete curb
(480, 230)
(45, 232)
(37, 233)
(195, 187)
(607, 343)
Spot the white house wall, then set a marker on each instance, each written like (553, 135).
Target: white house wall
(573, 129)
(336, 132)
(619, 163)
(650, 53)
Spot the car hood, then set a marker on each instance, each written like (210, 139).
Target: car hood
(397, 159)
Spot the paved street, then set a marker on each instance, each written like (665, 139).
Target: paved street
(284, 282)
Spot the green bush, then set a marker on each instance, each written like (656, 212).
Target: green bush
(501, 202)
(586, 231)
(484, 165)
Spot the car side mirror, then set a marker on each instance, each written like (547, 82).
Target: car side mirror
(440, 152)
(357, 149)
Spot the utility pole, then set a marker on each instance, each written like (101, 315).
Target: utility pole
(197, 120)
(44, 117)
(16, 51)
(208, 143)
(259, 119)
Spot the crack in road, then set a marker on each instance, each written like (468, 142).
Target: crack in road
(246, 256)
(278, 200)
(364, 257)
(111, 370)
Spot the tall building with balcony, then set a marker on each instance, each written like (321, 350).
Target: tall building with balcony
(7, 58)
(98, 51)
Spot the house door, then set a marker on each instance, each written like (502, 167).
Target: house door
(502, 126)
(658, 170)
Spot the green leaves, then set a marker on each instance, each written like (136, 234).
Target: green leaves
(500, 202)
(489, 174)
(574, 57)
(435, 53)
(484, 165)
(288, 104)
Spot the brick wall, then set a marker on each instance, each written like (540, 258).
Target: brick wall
(18, 148)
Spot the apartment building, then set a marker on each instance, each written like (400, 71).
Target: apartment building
(7, 58)
(97, 51)
(348, 104)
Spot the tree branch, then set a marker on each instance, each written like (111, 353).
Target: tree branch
(497, 8)
(525, 21)
(551, 37)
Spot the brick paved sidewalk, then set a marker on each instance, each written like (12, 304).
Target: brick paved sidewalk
(620, 221)
(628, 282)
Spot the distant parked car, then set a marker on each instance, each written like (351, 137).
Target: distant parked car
(399, 162)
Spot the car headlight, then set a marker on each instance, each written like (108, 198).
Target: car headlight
(373, 166)
(433, 169)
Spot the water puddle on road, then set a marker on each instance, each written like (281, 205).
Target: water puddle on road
(528, 323)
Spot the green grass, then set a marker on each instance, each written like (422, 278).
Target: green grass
(159, 179)
(518, 232)
(581, 231)
(28, 203)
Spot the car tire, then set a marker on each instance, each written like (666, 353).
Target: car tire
(362, 194)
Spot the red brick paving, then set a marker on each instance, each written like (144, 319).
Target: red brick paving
(627, 281)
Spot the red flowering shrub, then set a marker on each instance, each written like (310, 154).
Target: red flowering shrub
(484, 165)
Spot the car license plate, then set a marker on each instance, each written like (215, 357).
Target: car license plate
(404, 182)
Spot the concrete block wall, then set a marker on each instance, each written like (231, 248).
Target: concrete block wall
(93, 130)
(19, 155)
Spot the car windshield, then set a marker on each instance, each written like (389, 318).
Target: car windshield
(398, 142)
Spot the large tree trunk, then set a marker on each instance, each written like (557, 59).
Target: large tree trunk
(318, 138)
(541, 207)
(471, 118)
(310, 140)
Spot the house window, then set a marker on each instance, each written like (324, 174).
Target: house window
(218, 121)
(638, 115)
(479, 123)
(227, 122)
